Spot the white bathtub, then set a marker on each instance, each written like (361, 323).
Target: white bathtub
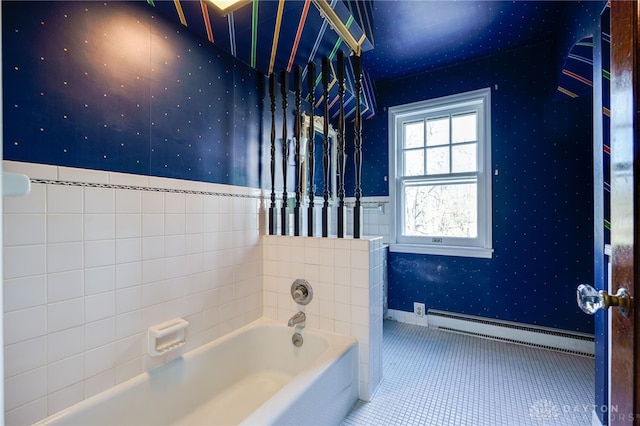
(253, 376)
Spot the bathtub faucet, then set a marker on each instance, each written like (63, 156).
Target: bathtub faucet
(298, 318)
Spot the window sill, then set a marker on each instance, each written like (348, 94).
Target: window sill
(479, 252)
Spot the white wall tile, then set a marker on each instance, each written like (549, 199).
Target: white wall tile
(62, 228)
(99, 200)
(174, 245)
(24, 261)
(20, 293)
(128, 179)
(194, 204)
(152, 225)
(33, 170)
(174, 224)
(65, 397)
(99, 333)
(65, 343)
(64, 257)
(24, 229)
(128, 299)
(153, 270)
(34, 202)
(130, 348)
(128, 250)
(128, 370)
(129, 324)
(99, 227)
(65, 285)
(153, 247)
(99, 383)
(69, 174)
(128, 274)
(66, 314)
(194, 223)
(174, 203)
(210, 204)
(99, 253)
(25, 388)
(128, 201)
(99, 360)
(152, 202)
(64, 199)
(65, 373)
(100, 306)
(128, 225)
(24, 356)
(98, 280)
(25, 324)
(27, 414)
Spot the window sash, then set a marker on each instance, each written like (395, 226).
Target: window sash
(478, 242)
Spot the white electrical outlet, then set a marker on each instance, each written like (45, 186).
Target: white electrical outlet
(418, 309)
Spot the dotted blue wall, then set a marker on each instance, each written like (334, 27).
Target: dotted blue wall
(542, 195)
(114, 86)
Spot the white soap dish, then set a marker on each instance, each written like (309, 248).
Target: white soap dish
(167, 336)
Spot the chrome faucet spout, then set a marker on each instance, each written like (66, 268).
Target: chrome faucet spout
(298, 318)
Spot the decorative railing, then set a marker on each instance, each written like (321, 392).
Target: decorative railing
(333, 152)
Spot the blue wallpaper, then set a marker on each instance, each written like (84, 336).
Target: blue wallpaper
(113, 86)
(542, 196)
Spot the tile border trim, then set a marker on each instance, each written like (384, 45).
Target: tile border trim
(141, 188)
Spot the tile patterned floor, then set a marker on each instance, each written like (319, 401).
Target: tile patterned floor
(442, 378)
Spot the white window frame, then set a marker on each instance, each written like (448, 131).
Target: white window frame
(480, 247)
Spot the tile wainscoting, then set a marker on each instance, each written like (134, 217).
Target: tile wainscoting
(93, 258)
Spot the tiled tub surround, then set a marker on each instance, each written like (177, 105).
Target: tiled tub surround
(346, 276)
(90, 266)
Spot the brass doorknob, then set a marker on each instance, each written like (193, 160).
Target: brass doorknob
(590, 300)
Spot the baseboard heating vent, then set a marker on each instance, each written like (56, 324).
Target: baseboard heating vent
(507, 331)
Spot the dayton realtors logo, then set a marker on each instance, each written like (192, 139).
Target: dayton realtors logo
(544, 410)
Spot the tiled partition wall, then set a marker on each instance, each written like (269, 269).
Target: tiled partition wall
(346, 276)
(89, 266)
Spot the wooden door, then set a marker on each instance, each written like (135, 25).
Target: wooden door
(625, 209)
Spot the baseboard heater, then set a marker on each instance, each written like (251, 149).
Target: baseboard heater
(525, 334)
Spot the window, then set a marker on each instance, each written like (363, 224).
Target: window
(440, 163)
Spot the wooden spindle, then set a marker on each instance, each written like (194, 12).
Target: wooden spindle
(297, 78)
(357, 123)
(272, 207)
(311, 79)
(325, 148)
(284, 88)
(341, 160)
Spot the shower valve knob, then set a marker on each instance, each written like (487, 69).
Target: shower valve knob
(301, 291)
(590, 300)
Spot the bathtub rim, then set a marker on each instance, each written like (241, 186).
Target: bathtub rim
(300, 382)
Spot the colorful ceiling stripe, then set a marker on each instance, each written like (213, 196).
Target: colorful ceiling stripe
(576, 78)
(303, 18)
(207, 21)
(270, 36)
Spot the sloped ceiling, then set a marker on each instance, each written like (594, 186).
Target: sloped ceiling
(416, 36)
(271, 36)
(399, 37)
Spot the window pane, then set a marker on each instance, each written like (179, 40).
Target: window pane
(465, 128)
(438, 160)
(414, 162)
(414, 134)
(464, 158)
(438, 131)
(447, 210)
